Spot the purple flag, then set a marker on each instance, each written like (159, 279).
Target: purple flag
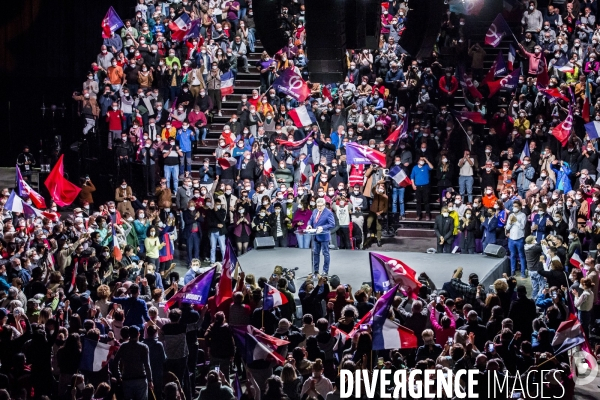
(110, 23)
(496, 31)
(500, 65)
(292, 84)
(195, 292)
(359, 154)
(508, 82)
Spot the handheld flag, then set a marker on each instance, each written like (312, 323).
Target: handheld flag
(24, 190)
(498, 68)
(117, 254)
(95, 355)
(227, 82)
(568, 335)
(497, 31)
(467, 83)
(267, 166)
(110, 23)
(224, 286)
(226, 163)
(291, 84)
(508, 82)
(16, 204)
(576, 261)
(473, 116)
(257, 345)
(386, 271)
(593, 129)
(399, 176)
(272, 298)
(195, 292)
(512, 55)
(562, 131)
(302, 116)
(61, 190)
(525, 152)
(359, 154)
(295, 145)
(553, 94)
(183, 28)
(387, 334)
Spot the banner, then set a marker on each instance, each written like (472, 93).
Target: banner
(291, 84)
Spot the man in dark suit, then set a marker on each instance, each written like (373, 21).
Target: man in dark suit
(444, 231)
(323, 221)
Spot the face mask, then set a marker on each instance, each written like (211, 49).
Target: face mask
(262, 214)
(421, 163)
(468, 215)
(516, 209)
(445, 214)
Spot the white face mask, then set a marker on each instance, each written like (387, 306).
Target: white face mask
(191, 208)
(516, 209)
(445, 214)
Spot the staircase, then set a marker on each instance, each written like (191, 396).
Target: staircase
(244, 84)
(423, 229)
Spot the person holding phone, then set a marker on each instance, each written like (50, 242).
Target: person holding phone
(445, 326)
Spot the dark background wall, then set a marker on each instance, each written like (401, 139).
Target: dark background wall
(46, 47)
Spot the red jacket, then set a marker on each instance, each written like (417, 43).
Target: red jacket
(453, 85)
(114, 119)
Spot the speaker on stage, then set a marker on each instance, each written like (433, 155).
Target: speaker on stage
(268, 21)
(264, 243)
(495, 251)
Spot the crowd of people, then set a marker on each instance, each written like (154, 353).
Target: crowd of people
(63, 289)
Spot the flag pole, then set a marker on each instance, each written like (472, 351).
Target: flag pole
(262, 324)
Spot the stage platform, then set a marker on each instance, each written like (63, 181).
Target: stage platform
(352, 266)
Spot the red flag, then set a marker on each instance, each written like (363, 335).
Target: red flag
(562, 131)
(224, 286)
(473, 116)
(542, 78)
(61, 190)
(226, 163)
(327, 93)
(394, 136)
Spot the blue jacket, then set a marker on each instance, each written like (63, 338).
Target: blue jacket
(184, 137)
(136, 311)
(420, 175)
(390, 77)
(488, 227)
(540, 221)
(4, 284)
(326, 221)
(562, 177)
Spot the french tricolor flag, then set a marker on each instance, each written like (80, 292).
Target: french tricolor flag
(227, 82)
(24, 190)
(593, 129)
(301, 116)
(399, 176)
(576, 261)
(95, 355)
(525, 152)
(272, 298)
(512, 54)
(267, 166)
(568, 335)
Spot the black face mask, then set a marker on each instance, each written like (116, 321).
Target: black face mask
(475, 281)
